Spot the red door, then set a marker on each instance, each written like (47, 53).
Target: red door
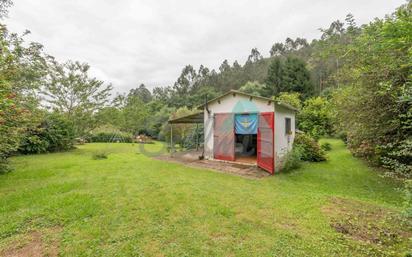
(224, 137)
(265, 142)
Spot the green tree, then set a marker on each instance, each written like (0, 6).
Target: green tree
(135, 115)
(199, 97)
(162, 94)
(254, 88)
(184, 86)
(277, 49)
(292, 99)
(155, 123)
(316, 117)
(21, 71)
(254, 56)
(13, 122)
(110, 115)
(290, 75)
(180, 131)
(71, 91)
(142, 92)
(54, 133)
(274, 79)
(296, 77)
(375, 108)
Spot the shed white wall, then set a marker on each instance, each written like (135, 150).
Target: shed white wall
(228, 104)
(241, 104)
(283, 142)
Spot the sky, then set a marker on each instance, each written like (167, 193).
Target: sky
(130, 42)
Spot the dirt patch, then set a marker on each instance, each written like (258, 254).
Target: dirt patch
(35, 245)
(366, 222)
(239, 169)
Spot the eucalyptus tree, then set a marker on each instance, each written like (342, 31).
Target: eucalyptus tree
(142, 92)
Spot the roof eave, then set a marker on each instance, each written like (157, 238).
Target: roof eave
(200, 107)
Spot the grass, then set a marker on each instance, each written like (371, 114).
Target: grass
(133, 205)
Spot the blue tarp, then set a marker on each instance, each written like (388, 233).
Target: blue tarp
(246, 123)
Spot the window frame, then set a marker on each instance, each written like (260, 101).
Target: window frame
(288, 126)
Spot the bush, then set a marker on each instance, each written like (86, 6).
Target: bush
(253, 88)
(342, 136)
(326, 146)
(291, 98)
(111, 137)
(396, 157)
(293, 159)
(4, 165)
(55, 133)
(376, 110)
(14, 119)
(32, 143)
(100, 155)
(304, 148)
(408, 198)
(60, 133)
(316, 117)
(310, 149)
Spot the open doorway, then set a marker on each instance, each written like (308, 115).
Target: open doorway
(246, 148)
(246, 125)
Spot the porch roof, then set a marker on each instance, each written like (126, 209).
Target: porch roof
(188, 119)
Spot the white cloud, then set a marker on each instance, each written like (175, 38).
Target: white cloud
(131, 42)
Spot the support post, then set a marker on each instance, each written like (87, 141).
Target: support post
(171, 139)
(197, 137)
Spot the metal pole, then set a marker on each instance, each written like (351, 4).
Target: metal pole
(171, 139)
(197, 137)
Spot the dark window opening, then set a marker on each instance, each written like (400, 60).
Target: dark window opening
(288, 126)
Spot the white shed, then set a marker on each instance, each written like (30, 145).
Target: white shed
(240, 127)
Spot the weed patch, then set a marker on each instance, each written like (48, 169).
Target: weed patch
(368, 223)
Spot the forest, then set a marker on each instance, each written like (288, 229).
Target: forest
(354, 82)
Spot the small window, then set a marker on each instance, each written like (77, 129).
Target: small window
(288, 126)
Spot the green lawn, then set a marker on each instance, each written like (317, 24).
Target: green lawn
(133, 205)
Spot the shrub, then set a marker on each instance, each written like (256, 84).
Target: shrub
(13, 121)
(326, 146)
(310, 149)
(111, 137)
(293, 159)
(100, 155)
(376, 110)
(4, 165)
(316, 117)
(60, 133)
(55, 133)
(33, 143)
(408, 198)
(342, 136)
(254, 88)
(396, 157)
(109, 134)
(291, 98)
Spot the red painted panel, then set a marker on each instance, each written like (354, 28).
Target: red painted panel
(224, 137)
(265, 141)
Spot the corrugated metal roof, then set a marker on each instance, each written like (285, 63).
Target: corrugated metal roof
(188, 119)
